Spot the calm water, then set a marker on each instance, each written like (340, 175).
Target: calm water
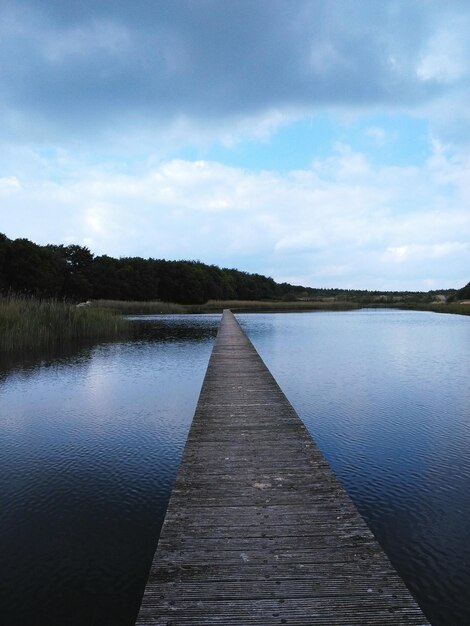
(386, 395)
(89, 447)
(90, 440)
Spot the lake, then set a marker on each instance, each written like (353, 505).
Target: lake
(91, 438)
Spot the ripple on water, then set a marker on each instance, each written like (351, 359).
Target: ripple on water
(89, 447)
(386, 396)
(90, 441)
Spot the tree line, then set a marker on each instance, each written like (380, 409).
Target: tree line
(461, 294)
(74, 273)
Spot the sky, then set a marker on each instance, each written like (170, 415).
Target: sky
(321, 142)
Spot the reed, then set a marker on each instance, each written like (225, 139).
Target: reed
(28, 323)
(456, 308)
(140, 308)
(241, 306)
(217, 306)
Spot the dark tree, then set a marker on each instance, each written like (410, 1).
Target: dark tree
(33, 270)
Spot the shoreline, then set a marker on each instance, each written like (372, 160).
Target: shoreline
(272, 306)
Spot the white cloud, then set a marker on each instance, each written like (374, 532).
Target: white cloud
(111, 94)
(344, 222)
(445, 56)
(345, 164)
(414, 252)
(9, 184)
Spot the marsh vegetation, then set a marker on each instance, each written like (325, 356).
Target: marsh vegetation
(29, 323)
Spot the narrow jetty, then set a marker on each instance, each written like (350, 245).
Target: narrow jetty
(259, 531)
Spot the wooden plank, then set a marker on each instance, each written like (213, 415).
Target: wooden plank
(258, 530)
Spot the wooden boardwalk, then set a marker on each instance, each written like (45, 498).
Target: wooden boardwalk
(258, 530)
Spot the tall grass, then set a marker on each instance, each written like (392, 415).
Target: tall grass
(27, 323)
(216, 306)
(140, 308)
(435, 307)
(246, 306)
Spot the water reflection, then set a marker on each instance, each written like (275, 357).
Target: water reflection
(17, 364)
(90, 439)
(169, 328)
(386, 396)
(89, 446)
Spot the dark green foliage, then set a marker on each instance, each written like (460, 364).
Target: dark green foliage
(31, 269)
(4, 246)
(463, 294)
(76, 263)
(73, 273)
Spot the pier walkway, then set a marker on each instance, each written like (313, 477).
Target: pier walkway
(258, 531)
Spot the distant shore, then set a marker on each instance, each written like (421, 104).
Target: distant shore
(267, 306)
(28, 323)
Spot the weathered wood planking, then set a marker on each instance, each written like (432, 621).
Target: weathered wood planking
(258, 530)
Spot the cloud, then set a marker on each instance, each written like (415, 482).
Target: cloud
(115, 115)
(8, 185)
(331, 225)
(405, 253)
(445, 57)
(78, 69)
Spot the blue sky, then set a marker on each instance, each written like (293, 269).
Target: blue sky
(324, 143)
(385, 139)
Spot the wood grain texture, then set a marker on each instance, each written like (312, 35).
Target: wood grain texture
(258, 530)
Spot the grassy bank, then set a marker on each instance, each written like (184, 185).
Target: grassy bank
(436, 307)
(140, 308)
(217, 306)
(247, 306)
(27, 323)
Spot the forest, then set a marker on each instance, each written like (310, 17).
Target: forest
(74, 274)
